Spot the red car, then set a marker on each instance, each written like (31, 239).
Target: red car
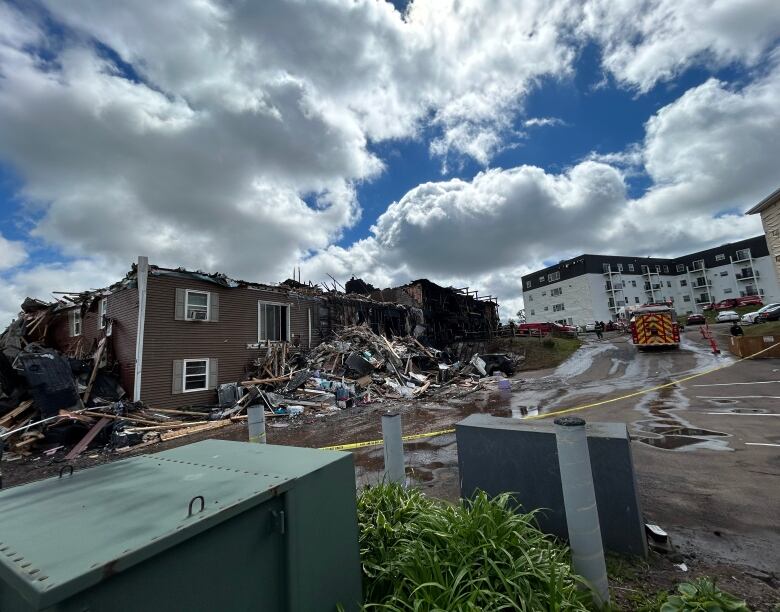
(749, 300)
(536, 329)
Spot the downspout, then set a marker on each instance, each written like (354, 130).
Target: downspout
(142, 273)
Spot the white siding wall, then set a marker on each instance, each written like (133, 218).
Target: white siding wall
(575, 295)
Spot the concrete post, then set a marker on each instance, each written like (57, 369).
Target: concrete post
(256, 421)
(579, 499)
(394, 448)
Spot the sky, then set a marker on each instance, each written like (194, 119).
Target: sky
(469, 142)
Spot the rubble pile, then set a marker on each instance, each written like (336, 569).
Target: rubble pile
(55, 404)
(357, 366)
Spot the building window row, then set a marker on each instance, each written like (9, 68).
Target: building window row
(558, 307)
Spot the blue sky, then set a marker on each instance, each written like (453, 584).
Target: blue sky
(479, 139)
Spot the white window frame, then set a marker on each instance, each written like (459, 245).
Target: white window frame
(620, 267)
(749, 254)
(556, 291)
(74, 321)
(528, 284)
(680, 267)
(187, 316)
(184, 375)
(631, 267)
(553, 276)
(720, 257)
(268, 303)
(559, 307)
(102, 311)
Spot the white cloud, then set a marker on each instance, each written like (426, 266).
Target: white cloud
(12, 253)
(237, 137)
(648, 41)
(543, 121)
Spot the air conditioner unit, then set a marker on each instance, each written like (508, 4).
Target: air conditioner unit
(197, 315)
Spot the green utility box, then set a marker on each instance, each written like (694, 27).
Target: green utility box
(213, 526)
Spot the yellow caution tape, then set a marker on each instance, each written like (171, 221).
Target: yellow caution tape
(545, 415)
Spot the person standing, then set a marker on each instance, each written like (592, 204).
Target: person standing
(599, 330)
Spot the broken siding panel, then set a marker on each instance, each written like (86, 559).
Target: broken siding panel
(167, 339)
(122, 309)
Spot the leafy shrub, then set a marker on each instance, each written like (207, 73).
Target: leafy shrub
(702, 595)
(421, 554)
(548, 343)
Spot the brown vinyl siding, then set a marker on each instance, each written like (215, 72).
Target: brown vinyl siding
(167, 339)
(122, 308)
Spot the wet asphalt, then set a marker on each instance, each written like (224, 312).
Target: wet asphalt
(706, 451)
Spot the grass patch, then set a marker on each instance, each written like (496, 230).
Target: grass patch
(769, 328)
(423, 554)
(547, 352)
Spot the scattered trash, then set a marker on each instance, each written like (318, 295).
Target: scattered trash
(681, 566)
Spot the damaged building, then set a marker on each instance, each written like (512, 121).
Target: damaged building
(169, 337)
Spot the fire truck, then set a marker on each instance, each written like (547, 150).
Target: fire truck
(655, 325)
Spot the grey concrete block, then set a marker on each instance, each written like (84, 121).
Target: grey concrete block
(500, 455)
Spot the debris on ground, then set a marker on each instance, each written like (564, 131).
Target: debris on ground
(60, 405)
(357, 366)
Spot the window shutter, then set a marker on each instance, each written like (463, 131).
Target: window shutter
(181, 295)
(178, 374)
(214, 307)
(213, 373)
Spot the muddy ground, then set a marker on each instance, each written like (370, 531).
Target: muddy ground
(706, 452)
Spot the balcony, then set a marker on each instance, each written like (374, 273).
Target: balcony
(743, 255)
(697, 265)
(702, 299)
(747, 274)
(701, 282)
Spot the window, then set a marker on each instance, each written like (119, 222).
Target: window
(724, 273)
(272, 322)
(605, 267)
(541, 279)
(727, 290)
(686, 298)
(557, 307)
(666, 269)
(683, 282)
(196, 375)
(645, 269)
(547, 308)
(532, 312)
(75, 322)
(668, 283)
(544, 293)
(681, 267)
(527, 284)
(720, 257)
(620, 267)
(698, 265)
(636, 300)
(626, 301)
(743, 254)
(658, 269)
(530, 298)
(623, 284)
(197, 305)
(553, 276)
(556, 291)
(633, 283)
(102, 313)
(630, 267)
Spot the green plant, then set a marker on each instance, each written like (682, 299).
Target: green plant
(422, 554)
(702, 595)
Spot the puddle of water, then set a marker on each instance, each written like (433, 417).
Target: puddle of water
(685, 443)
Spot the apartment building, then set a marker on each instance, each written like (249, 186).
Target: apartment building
(588, 288)
(769, 209)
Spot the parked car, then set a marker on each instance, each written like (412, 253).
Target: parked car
(726, 315)
(726, 304)
(537, 329)
(696, 319)
(589, 327)
(751, 317)
(750, 300)
(771, 314)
